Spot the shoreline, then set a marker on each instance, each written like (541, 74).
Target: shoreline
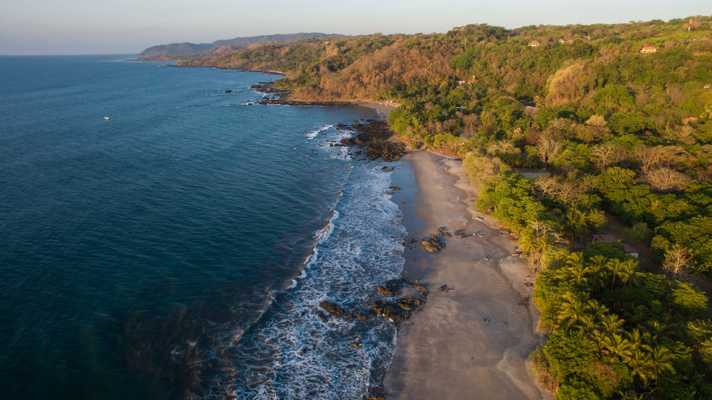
(382, 108)
(474, 336)
(281, 97)
(476, 339)
(457, 344)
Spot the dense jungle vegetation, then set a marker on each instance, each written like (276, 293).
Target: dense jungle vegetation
(593, 145)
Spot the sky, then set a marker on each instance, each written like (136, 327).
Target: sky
(129, 26)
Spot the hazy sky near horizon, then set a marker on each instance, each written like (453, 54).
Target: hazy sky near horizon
(128, 26)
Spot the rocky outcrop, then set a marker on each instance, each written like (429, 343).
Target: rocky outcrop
(332, 308)
(377, 140)
(268, 88)
(436, 242)
(396, 301)
(374, 136)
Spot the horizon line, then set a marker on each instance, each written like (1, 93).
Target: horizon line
(358, 34)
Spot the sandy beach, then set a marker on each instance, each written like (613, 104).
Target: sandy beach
(473, 337)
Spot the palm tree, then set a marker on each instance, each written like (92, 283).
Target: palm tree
(612, 323)
(616, 346)
(641, 365)
(596, 310)
(575, 260)
(649, 363)
(662, 359)
(578, 276)
(573, 312)
(621, 269)
(635, 338)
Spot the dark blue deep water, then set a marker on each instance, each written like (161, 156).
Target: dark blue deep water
(182, 247)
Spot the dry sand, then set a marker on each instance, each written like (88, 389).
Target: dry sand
(472, 340)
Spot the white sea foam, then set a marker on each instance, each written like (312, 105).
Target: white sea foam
(295, 352)
(331, 143)
(313, 134)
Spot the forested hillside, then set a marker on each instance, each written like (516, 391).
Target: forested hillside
(593, 145)
(174, 51)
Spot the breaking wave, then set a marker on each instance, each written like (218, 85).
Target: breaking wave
(313, 134)
(295, 350)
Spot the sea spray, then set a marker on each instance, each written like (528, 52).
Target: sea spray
(296, 351)
(313, 134)
(138, 254)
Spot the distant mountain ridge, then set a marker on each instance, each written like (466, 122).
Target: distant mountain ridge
(183, 50)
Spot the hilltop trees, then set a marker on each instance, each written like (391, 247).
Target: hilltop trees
(608, 341)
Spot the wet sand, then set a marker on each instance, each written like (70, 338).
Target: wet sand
(472, 340)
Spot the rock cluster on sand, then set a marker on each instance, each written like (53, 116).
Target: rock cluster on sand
(436, 242)
(396, 301)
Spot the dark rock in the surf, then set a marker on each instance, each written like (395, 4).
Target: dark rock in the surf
(332, 308)
(361, 139)
(373, 135)
(397, 311)
(421, 289)
(384, 291)
(433, 244)
(396, 300)
(377, 140)
(436, 242)
(228, 91)
(393, 189)
(388, 169)
(358, 140)
(385, 149)
(391, 288)
(376, 393)
(268, 87)
(401, 300)
(361, 316)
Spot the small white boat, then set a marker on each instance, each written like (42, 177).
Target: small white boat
(107, 118)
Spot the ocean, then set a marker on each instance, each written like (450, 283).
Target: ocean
(162, 235)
